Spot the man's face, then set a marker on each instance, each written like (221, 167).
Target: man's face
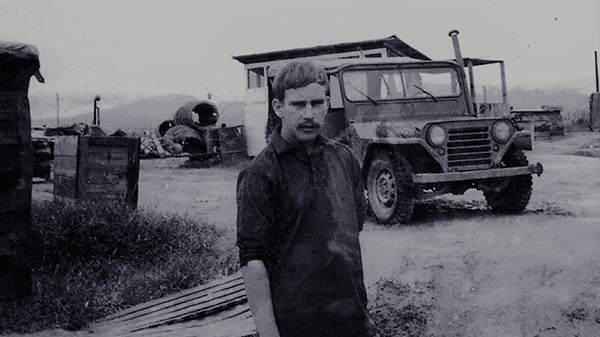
(302, 113)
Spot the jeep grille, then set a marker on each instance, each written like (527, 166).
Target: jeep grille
(469, 148)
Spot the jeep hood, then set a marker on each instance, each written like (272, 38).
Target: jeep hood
(410, 128)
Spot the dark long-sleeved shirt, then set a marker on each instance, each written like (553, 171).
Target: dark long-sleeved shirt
(301, 215)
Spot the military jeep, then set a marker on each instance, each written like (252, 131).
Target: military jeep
(414, 128)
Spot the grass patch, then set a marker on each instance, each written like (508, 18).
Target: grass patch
(92, 259)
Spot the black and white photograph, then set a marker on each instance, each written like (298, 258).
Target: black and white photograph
(299, 168)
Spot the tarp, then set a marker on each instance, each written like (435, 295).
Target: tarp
(19, 50)
(18, 62)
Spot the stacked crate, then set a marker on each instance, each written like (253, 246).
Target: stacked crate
(15, 194)
(18, 62)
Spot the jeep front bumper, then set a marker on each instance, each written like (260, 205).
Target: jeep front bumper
(431, 178)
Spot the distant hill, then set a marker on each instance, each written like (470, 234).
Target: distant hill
(148, 113)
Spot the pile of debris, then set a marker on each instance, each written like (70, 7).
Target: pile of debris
(159, 147)
(187, 133)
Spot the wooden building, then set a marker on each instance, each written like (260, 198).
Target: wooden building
(256, 67)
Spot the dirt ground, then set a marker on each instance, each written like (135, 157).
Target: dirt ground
(457, 269)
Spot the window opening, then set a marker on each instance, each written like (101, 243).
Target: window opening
(256, 78)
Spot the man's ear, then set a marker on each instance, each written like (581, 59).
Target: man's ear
(277, 105)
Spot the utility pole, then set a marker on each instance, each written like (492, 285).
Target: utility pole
(57, 111)
(596, 62)
(484, 94)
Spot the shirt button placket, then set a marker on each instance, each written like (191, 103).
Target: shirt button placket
(317, 171)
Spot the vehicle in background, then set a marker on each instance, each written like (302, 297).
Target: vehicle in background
(414, 127)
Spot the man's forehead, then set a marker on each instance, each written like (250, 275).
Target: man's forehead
(309, 92)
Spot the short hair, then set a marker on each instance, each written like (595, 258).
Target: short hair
(298, 74)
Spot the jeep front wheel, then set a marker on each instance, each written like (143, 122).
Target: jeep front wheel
(390, 188)
(515, 195)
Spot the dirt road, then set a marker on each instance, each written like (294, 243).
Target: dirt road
(460, 269)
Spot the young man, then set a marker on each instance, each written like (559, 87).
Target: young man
(301, 207)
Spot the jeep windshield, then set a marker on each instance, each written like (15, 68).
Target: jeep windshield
(395, 83)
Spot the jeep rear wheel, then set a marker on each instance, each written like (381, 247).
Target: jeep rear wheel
(390, 188)
(514, 197)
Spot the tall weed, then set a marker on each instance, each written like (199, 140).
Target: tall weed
(92, 259)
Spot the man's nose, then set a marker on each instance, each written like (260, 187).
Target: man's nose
(309, 111)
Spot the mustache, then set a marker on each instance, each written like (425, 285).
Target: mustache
(309, 125)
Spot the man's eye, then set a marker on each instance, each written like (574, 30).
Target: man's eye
(317, 103)
(299, 105)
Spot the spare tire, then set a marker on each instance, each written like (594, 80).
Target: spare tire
(207, 114)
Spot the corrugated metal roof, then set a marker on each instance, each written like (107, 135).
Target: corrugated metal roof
(392, 43)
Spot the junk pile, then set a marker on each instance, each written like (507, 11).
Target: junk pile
(193, 133)
(186, 134)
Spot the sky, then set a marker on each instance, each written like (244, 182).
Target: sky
(135, 48)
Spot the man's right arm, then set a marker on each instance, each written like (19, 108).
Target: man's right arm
(255, 199)
(256, 281)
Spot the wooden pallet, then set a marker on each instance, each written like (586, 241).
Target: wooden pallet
(217, 309)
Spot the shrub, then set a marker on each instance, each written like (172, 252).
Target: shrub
(92, 259)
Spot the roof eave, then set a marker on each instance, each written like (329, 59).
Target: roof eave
(392, 43)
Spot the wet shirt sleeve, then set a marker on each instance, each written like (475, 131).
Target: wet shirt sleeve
(255, 203)
(358, 187)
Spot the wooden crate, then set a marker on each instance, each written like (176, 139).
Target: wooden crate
(97, 168)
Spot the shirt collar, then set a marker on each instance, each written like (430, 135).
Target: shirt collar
(281, 145)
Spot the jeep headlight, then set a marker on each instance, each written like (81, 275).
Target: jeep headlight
(436, 136)
(502, 131)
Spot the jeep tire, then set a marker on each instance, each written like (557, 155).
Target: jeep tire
(390, 188)
(514, 197)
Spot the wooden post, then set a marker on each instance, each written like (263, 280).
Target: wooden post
(532, 133)
(57, 111)
(484, 94)
(596, 63)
